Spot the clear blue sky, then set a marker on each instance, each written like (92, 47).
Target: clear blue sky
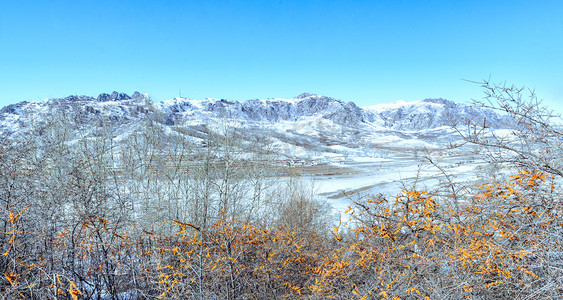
(368, 52)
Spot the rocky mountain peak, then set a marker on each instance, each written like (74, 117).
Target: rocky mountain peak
(137, 95)
(115, 96)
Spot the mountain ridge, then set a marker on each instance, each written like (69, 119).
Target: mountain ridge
(307, 123)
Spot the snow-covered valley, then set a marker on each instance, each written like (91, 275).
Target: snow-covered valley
(345, 151)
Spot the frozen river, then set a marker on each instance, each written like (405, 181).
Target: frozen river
(349, 179)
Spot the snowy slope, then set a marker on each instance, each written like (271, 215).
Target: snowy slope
(308, 125)
(432, 113)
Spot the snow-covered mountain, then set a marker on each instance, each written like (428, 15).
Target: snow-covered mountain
(401, 115)
(305, 125)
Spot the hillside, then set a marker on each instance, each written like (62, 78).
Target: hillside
(305, 126)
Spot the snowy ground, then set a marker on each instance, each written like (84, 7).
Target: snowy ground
(343, 181)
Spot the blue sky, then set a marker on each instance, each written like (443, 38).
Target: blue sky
(368, 52)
